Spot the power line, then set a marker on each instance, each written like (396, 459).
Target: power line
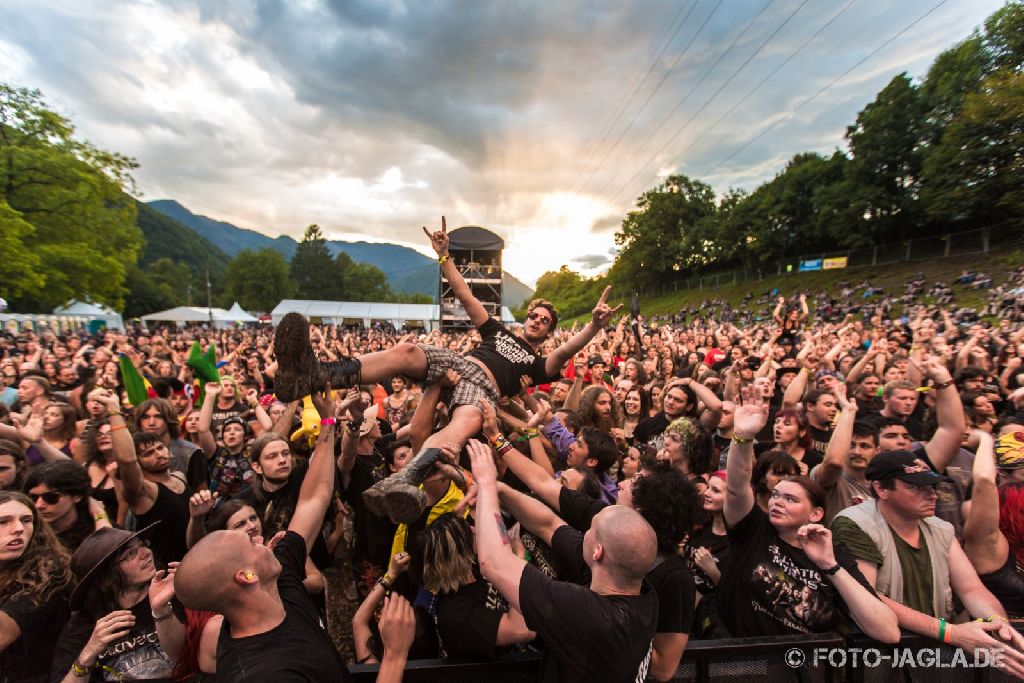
(606, 129)
(829, 85)
(651, 95)
(707, 73)
(743, 99)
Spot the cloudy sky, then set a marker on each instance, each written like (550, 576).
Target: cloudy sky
(540, 120)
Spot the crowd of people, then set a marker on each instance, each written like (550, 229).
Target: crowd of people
(603, 494)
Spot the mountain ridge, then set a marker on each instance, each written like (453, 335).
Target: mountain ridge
(407, 270)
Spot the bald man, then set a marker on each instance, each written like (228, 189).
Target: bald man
(601, 632)
(271, 631)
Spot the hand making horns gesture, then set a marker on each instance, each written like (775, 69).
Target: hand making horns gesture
(439, 238)
(602, 311)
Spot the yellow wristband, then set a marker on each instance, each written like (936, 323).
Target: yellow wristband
(742, 439)
(443, 259)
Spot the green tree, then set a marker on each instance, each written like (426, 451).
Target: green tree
(22, 269)
(653, 236)
(885, 145)
(361, 281)
(258, 280)
(313, 270)
(72, 194)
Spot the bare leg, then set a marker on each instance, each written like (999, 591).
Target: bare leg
(401, 359)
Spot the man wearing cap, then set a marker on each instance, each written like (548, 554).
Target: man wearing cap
(230, 469)
(914, 562)
(122, 613)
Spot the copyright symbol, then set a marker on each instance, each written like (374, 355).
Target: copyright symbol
(795, 658)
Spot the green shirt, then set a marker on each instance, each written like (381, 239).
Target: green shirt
(915, 563)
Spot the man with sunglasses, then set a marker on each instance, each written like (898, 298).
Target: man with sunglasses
(60, 492)
(495, 368)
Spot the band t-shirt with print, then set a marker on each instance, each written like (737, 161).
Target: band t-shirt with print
(508, 358)
(774, 588)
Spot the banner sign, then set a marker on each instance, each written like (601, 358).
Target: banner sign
(810, 265)
(832, 263)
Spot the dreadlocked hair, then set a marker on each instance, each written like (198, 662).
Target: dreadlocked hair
(44, 567)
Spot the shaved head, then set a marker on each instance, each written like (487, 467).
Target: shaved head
(206, 577)
(629, 542)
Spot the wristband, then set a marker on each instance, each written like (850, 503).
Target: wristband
(940, 387)
(833, 570)
(503, 449)
(161, 617)
(942, 630)
(328, 421)
(742, 439)
(383, 581)
(100, 516)
(532, 433)
(114, 428)
(78, 670)
(443, 259)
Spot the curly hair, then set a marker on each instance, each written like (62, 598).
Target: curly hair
(696, 444)
(669, 503)
(90, 437)
(587, 412)
(43, 568)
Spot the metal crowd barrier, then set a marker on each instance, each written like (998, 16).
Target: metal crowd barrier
(814, 658)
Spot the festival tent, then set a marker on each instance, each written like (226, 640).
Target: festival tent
(365, 313)
(96, 314)
(200, 314)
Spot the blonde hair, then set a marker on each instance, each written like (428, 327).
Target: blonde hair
(448, 556)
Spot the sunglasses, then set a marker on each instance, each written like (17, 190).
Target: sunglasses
(539, 318)
(50, 497)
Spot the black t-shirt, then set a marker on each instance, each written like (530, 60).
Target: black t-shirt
(589, 637)
(819, 438)
(718, 546)
(297, 649)
(670, 579)
(373, 534)
(276, 508)
(467, 622)
(508, 358)
(73, 536)
(28, 658)
(773, 588)
(578, 509)
(135, 656)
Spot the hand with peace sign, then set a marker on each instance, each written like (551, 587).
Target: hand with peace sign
(439, 239)
(602, 311)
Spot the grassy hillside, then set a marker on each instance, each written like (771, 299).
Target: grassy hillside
(167, 238)
(891, 276)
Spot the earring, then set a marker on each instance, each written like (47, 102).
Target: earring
(250, 576)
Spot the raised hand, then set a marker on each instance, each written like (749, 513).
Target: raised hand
(213, 389)
(439, 238)
(161, 588)
(108, 628)
(397, 626)
(541, 416)
(751, 415)
(399, 563)
(322, 401)
(201, 502)
(490, 419)
(602, 313)
(484, 471)
(816, 541)
(30, 429)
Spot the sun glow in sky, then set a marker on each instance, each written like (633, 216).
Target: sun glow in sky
(541, 121)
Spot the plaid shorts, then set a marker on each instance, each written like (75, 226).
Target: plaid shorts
(474, 385)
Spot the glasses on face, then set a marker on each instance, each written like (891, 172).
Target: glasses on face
(133, 551)
(543, 319)
(50, 497)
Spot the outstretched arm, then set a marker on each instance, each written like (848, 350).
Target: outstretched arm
(983, 542)
(949, 413)
(600, 316)
(533, 515)
(439, 241)
(749, 418)
(318, 485)
(529, 472)
(498, 563)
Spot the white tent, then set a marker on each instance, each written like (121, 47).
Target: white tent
(238, 315)
(366, 313)
(111, 319)
(200, 314)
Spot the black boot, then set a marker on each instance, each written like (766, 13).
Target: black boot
(403, 499)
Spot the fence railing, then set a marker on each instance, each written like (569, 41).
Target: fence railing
(812, 658)
(979, 241)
